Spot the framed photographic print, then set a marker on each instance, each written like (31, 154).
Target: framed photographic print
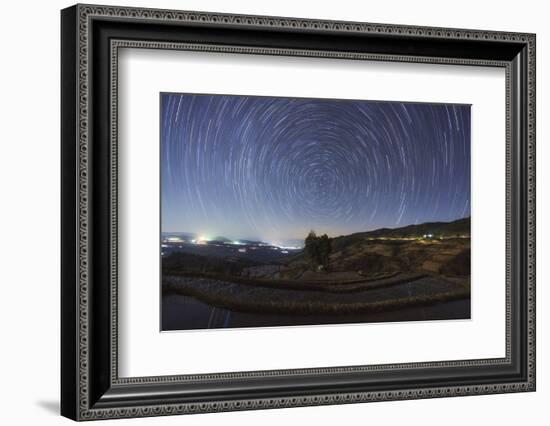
(263, 212)
(247, 183)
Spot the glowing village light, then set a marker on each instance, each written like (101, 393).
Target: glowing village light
(202, 240)
(173, 239)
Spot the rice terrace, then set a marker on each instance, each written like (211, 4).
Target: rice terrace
(411, 273)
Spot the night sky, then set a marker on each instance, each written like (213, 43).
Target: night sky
(273, 168)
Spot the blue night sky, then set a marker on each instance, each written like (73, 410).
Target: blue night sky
(273, 168)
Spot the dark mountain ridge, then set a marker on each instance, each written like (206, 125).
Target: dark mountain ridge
(460, 227)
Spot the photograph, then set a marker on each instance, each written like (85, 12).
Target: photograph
(264, 209)
(282, 211)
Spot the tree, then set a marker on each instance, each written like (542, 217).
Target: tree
(312, 248)
(318, 249)
(325, 250)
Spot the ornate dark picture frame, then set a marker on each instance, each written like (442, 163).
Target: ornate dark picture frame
(90, 385)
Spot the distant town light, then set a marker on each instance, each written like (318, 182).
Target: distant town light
(202, 240)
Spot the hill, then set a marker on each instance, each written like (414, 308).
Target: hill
(441, 248)
(455, 228)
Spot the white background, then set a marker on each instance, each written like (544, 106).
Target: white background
(29, 225)
(146, 352)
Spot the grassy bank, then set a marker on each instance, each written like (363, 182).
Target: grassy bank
(302, 285)
(237, 297)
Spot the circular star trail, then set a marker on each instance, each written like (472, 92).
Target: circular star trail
(274, 168)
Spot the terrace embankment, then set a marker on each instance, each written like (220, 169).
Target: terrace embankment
(314, 298)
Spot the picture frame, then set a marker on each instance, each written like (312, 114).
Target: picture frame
(91, 37)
